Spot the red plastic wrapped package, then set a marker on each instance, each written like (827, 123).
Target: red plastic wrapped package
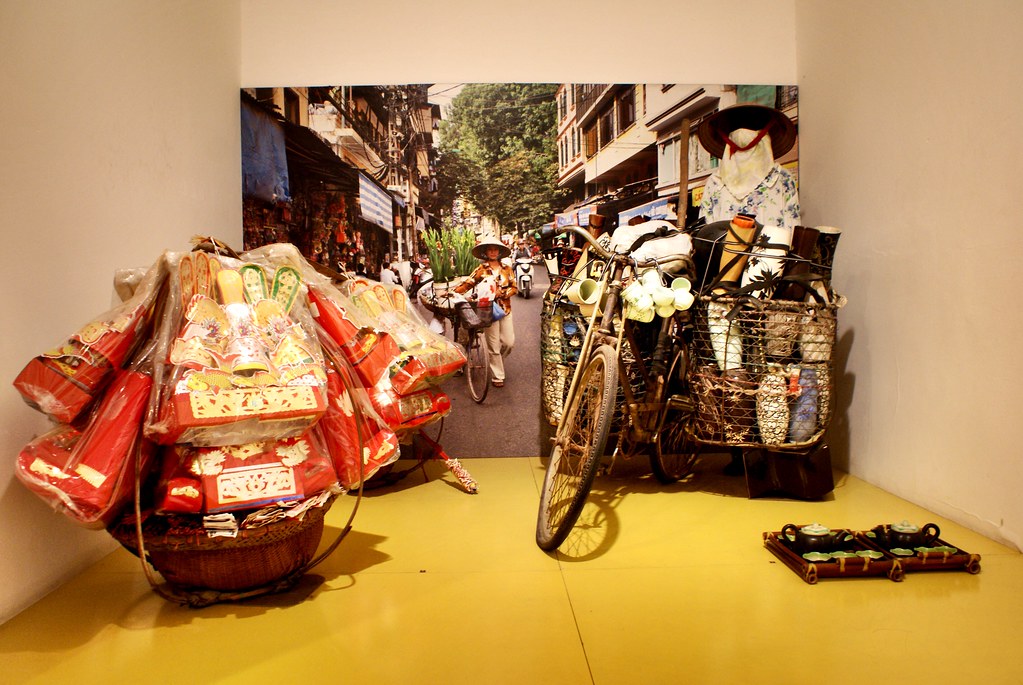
(64, 381)
(372, 353)
(397, 347)
(341, 427)
(208, 480)
(90, 475)
(241, 367)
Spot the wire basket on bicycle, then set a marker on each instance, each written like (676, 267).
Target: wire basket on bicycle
(761, 369)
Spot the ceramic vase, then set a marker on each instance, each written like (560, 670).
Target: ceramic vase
(725, 337)
(708, 402)
(772, 405)
(738, 405)
(804, 244)
(803, 417)
(824, 252)
(823, 395)
(767, 260)
(738, 242)
(817, 336)
(781, 331)
(823, 258)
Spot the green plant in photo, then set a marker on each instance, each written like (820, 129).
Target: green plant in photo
(464, 240)
(438, 245)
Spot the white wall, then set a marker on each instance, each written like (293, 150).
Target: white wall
(910, 142)
(459, 41)
(119, 138)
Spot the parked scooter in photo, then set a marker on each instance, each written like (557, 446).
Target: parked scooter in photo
(524, 275)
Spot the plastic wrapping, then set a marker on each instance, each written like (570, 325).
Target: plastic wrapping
(233, 405)
(381, 332)
(89, 474)
(400, 414)
(383, 335)
(239, 363)
(63, 381)
(343, 428)
(209, 480)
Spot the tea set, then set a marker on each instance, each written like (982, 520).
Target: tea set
(816, 542)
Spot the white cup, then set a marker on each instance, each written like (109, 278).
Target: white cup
(663, 297)
(650, 278)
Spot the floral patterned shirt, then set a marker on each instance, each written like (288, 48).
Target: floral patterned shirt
(503, 277)
(775, 202)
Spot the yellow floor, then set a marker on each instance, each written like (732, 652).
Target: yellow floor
(661, 585)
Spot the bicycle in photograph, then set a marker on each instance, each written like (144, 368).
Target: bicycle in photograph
(629, 361)
(469, 320)
(468, 326)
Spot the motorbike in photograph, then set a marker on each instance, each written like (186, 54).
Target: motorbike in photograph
(524, 276)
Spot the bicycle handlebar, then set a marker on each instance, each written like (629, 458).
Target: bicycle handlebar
(550, 233)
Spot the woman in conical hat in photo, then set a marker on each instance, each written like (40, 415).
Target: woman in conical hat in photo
(500, 335)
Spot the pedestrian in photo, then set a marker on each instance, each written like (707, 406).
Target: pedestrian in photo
(389, 274)
(500, 335)
(521, 250)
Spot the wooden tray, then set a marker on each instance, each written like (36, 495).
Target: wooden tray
(851, 567)
(923, 560)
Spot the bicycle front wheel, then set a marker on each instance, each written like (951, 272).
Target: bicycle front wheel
(582, 436)
(477, 366)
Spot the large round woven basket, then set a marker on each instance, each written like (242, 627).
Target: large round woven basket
(189, 559)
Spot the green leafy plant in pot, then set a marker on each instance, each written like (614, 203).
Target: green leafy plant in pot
(463, 240)
(438, 245)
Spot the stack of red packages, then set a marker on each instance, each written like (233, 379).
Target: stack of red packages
(241, 366)
(196, 480)
(401, 388)
(65, 380)
(89, 474)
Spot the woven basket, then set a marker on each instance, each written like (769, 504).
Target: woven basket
(189, 559)
(745, 368)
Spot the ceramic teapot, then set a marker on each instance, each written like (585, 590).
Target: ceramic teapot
(906, 535)
(814, 537)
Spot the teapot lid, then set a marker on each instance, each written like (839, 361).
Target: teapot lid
(815, 529)
(905, 526)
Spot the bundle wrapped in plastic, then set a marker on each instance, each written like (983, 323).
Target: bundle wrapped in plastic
(378, 364)
(63, 381)
(400, 387)
(386, 344)
(427, 357)
(89, 474)
(240, 363)
(345, 428)
(208, 480)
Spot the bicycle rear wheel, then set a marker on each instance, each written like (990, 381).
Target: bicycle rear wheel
(576, 454)
(477, 366)
(675, 452)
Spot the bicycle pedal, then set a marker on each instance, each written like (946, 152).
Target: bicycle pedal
(681, 403)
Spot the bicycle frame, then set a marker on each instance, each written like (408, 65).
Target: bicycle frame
(612, 328)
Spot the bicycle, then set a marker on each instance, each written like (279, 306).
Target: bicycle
(468, 320)
(750, 370)
(656, 403)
